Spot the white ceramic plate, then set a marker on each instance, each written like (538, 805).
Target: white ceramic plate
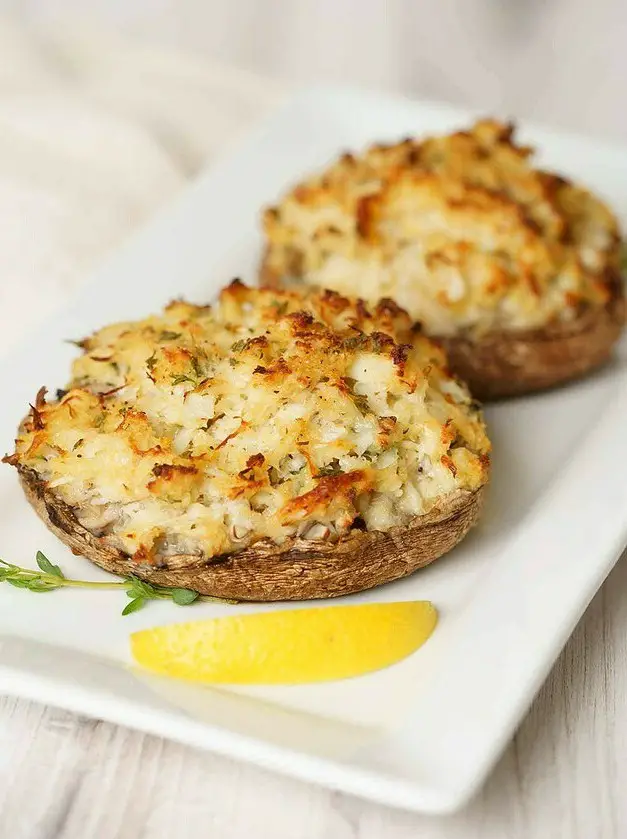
(424, 733)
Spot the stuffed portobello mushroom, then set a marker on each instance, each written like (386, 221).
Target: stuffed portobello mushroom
(273, 446)
(515, 270)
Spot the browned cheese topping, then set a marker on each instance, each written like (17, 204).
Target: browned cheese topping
(461, 230)
(269, 415)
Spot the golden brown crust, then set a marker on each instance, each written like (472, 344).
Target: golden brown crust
(463, 230)
(512, 268)
(503, 364)
(296, 570)
(513, 363)
(205, 430)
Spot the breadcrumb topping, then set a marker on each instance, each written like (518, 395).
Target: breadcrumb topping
(460, 229)
(269, 415)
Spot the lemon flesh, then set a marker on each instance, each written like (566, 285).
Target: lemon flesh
(294, 646)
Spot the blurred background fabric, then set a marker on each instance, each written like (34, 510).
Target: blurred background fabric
(562, 61)
(107, 107)
(95, 134)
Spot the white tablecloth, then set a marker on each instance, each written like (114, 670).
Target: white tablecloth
(95, 134)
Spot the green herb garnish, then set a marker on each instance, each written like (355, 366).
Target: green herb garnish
(169, 336)
(331, 468)
(50, 577)
(185, 377)
(362, 404)
(360, 399)
(354, 341)
(178, 380)
(197, 368)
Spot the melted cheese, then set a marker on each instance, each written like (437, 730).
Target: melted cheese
(460, 230)
(206, 429)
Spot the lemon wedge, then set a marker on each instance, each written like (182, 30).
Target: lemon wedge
(292, 646)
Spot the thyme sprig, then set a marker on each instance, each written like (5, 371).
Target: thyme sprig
(50, 577)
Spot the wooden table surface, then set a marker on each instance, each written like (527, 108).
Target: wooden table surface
(68, 777)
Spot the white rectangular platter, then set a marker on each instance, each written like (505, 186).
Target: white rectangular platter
(424, 733)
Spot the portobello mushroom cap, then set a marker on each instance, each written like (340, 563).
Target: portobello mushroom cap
(296, 570)
(274, 446)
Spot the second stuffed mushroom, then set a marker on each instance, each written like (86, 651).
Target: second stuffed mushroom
(515, 270)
